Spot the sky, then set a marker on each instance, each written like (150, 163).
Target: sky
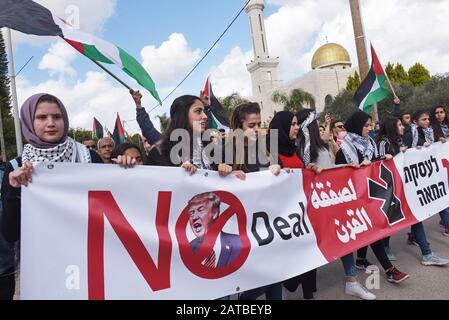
(170, 36)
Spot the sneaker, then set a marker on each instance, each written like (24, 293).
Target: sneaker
(357, 290)
(433, 259)
(396, 276)
(411, 240)
(390, 254)
(362, 264)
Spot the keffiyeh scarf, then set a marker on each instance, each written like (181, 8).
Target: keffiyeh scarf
(353, 143)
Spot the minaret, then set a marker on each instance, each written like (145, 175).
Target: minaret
(263, 69)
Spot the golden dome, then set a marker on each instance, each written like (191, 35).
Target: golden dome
(330, 54)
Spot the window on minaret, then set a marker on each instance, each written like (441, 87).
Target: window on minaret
(263, 43)
(260, 23)
(269, 76)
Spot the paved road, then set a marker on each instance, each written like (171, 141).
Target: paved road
(424, 283)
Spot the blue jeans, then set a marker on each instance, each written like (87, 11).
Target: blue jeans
(349, 265)
(445, 217)
(420, 236)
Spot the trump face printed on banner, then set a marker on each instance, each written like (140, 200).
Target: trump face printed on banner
(203, 210)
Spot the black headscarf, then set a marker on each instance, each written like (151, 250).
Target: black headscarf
(282, 121)
(356, 122)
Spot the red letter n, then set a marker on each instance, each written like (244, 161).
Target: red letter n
(102, 203)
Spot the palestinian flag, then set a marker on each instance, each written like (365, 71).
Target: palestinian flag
(30, 17)
(119, 133)
(373, 88)
(97, 130)
(216, 114)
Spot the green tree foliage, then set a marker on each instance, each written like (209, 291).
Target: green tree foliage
(418, 74)
(342, 106)
(231, 102)
(401, 76)
(431, 93)
(5, 105)
(353, 82)
(397, 74)
(80, 134)
(296, 101)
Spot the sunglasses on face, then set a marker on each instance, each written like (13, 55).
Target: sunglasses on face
(340, 126)
(92, 147)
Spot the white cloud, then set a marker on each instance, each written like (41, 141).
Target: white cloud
(94, 96)
(58, 58)
(231, 75)
(172, 60)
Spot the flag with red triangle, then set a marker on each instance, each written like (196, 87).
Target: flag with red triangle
(119, 133)
(97, 130)
(216, 114)
(373, 88)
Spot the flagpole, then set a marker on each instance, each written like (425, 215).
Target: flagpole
(15, 105)
(111, 74)
(391, 86)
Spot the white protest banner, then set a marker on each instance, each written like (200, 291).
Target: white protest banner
(103, 232)
(146, 251)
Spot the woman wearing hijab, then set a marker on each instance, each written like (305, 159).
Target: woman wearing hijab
(287, 128)
(315, 152)
(45, 125)
(358, 147)
(389, 141)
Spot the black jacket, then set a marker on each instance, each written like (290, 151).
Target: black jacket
(408, 137)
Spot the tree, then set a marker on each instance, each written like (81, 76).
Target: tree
(5, 105)
(353, 82)
(342, 106)
(418, 74)
(163, 119)
(231, 102)
(295, 101)
(80, 134)
(390, 71)
(401, 76)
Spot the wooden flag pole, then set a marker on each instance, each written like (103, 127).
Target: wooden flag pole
(112, 75)
(391, 86)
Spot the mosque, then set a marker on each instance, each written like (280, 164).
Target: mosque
(330, 69)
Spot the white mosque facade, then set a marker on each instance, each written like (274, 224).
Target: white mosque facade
(330, 69)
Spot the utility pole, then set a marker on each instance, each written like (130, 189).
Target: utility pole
(12, 78)
(360, 43)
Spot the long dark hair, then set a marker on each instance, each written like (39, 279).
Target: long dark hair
(438, 131)
(121, 149)
(316, 143)
(241, 112)
(179, 119)
(237, 118)
(389, 130)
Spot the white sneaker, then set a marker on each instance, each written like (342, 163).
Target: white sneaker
(357, 290)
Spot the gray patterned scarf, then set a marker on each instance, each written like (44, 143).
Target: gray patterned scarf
(428, 134)
(68, 151)
(353, 143)
(304, 127)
